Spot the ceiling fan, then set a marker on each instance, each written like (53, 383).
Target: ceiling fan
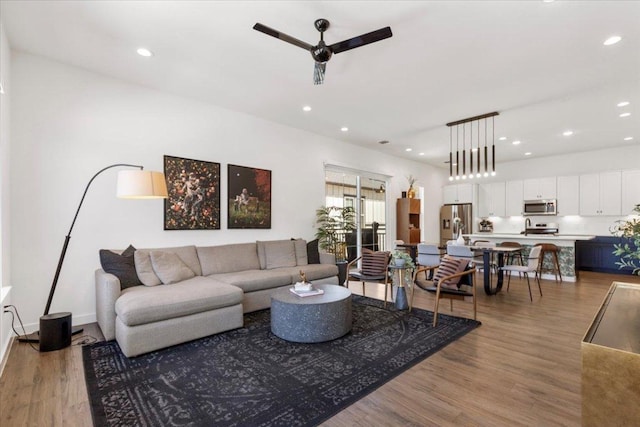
(321, 53)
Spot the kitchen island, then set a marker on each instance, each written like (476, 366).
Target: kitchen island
(565, 242)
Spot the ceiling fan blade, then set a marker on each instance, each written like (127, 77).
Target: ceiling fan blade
(282, 36)
(373, 36)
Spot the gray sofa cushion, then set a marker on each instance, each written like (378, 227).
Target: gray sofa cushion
(255, 280)
(277, 254)
(228, 258)
(169, 267)
(301, 251)
(312, 271)
(144, 268)
(141, 305)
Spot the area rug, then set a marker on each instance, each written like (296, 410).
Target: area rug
(250, 377)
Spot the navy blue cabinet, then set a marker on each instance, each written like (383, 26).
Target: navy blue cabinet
(597, 255)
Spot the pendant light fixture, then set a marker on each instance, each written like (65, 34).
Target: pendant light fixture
(479, 153)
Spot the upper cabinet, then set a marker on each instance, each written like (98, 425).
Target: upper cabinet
(539, 188)
(568, 195)
(601, 193)
(491, 199)
(513, 198)
(630, 190)
(458, 193)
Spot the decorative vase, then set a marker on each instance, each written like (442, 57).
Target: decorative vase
(460, 240)
(411, 193)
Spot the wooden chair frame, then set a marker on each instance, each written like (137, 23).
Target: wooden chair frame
(373, 279)
(451, 294)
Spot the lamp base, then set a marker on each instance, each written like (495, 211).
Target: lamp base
(55, 332)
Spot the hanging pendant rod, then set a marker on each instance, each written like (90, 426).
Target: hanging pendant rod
(473, 119)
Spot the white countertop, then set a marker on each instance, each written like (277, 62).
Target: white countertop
(536, 237)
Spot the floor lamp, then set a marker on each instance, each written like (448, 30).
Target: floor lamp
(55, 328)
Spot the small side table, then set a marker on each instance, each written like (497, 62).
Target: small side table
(401, 294)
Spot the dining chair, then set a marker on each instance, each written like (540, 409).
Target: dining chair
(374, 269)
(428, 256)
(454, 279)
(531, 267)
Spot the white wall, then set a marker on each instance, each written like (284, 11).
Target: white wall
(68, 123)
(5, 237)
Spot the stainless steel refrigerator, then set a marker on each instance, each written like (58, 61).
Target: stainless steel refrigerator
(450, 226)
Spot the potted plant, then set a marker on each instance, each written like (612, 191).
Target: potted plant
(402, 259)
(629, 229)
(333, 222)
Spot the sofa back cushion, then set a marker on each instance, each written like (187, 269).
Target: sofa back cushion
(301, 251)
(277, 254)
(169, 267)
(144, 268)
(228, 258)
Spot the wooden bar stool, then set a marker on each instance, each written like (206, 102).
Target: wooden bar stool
(553, 250)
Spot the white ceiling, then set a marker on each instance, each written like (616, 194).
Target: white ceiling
(542, 66)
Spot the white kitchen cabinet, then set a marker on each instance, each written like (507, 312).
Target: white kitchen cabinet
(539, 188)
(458, 193)
(630, 190)
(601, 193)
(568, 195)
(491, 199)
(513, 198)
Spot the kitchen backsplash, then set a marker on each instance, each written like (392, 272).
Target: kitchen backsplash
(592, 225)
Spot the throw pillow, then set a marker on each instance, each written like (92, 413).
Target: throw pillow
(144, 268)
(169, 267)
(449, 266)
(300, 246)
(121, 265)
(279, 253)
(313, 253)
(374, 263)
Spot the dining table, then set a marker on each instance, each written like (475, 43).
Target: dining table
(487, 252)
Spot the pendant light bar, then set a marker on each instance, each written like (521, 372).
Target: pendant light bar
(479, 149)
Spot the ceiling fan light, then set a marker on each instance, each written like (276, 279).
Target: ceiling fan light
(318, 73)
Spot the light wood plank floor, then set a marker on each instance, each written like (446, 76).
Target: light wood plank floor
(520, 368)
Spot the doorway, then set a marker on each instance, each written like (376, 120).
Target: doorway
(343, 189)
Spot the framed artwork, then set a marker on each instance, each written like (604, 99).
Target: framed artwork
(249, 197)
(194, 194)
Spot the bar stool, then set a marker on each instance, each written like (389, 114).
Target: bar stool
(553, 250)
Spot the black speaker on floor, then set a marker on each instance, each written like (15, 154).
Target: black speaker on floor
(55, 331)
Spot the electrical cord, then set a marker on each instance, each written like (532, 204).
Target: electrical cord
(80, 340)
(13, 320)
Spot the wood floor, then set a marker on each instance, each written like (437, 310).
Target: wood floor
(520, 368)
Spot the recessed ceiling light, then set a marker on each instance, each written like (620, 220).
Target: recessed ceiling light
(306, 108)
(612, 40)
(454, 164)
(474, 149)
(528, 153)
(628, 138)
(344, 129)
(144, 52)
(567, 133)
(625, 114)
(1, 88)
(516, 142)
(420, 154)
(503, 138)
(548, 1)
(408, 149)
(623, 104)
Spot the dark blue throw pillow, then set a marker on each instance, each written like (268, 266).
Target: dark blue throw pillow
(121, 265)
(313, 254)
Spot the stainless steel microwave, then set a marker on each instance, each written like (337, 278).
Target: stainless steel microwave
(540, 207)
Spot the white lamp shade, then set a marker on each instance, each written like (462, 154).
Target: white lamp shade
(141, 184)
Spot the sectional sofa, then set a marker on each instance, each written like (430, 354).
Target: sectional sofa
(191, 292)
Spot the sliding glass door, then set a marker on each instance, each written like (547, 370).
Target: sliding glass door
(366, 195)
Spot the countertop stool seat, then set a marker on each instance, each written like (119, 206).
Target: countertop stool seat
(552, 250)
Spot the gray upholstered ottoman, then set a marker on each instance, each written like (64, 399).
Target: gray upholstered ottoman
(310, 319)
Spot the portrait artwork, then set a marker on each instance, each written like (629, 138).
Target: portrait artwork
(194, 194)
(249, 197)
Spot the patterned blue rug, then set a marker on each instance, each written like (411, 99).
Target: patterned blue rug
(250, 377)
